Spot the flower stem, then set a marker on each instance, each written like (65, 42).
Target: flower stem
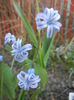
(21, 94)
(12, 63)
(37, 9)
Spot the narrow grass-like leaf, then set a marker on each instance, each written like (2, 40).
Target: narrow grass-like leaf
(45, 44)
(49, 49)
(22, 95)
(26, 24)
(40, 58)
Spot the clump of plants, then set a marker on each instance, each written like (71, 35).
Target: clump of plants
(63, 54)
(32, 57)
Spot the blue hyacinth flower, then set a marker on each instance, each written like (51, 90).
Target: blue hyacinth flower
(48, 19)
(1, 58)
(9, 38)
(19, 51)
(28, 80)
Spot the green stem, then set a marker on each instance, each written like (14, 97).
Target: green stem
(2, 85)
(21, 94)
(12, 63)
(37, 6)
(39, 35)
(37, 9)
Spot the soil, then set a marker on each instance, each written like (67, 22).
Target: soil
(59, 85)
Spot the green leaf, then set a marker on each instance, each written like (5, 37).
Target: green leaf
(42, 74)
(8, 48)
(47, 53)
(40, 58)
(45, 44)
(26, 24)
(35, 94)
(22, 95)
(26, 63)
(9, 83)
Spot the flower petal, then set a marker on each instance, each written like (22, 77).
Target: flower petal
(41, 26)
(26, 87)
(31, 70)
(33, 86)
(21, 84)
(21, 76)
(51, 10)
(57, 26)
(47, 12)
(14, 52)
(19, 43)
(27, 47)
(1, 58)
(9, 38)
(20, 57)
(49, 31)
(8, 35)
(56, 17)
(41, 16)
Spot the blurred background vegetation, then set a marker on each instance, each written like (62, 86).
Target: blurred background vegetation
(10, 21)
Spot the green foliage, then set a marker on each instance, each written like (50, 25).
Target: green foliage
(45, 44)
(8, 48)
(47, 51)
(9, 83)
(40, 58)
(42, 74)
(26, 64)
(64, 55)
(35, 93)
(22, 95)
(26, 24)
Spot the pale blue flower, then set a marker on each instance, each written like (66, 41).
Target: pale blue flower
(48, 19)
(19, 51)
(31, 71)
(9, 38)
(1, 58)
(28, 80)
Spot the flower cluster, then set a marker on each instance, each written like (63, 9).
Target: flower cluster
(49, 18)
(28, 80)
(9, 38)
(19, 51)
